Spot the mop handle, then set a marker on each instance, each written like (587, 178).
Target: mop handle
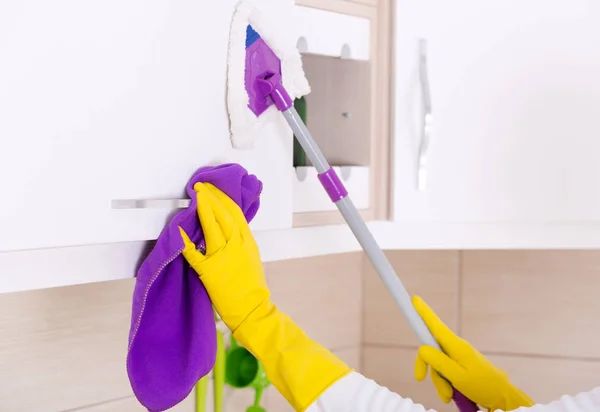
(338, 194)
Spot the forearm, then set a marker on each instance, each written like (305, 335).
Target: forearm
(301, 369)
(356, 393)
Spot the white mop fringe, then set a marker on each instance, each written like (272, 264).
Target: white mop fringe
(268, 18)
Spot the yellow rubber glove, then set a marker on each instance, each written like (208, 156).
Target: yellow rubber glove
(467, 369)
(233, 275)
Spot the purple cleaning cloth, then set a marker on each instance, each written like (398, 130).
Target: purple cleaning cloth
(172, 339)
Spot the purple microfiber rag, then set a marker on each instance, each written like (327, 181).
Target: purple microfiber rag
(172, 340)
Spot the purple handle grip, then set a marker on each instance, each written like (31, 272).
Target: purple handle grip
(333, 185)
(463, 403)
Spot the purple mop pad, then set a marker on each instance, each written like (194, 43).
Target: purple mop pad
(172, 340)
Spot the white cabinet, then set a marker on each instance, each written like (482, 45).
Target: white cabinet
(99, 104)
(117, 100)
(123, 100)
(515, 94)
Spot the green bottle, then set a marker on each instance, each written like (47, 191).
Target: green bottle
(299, 155)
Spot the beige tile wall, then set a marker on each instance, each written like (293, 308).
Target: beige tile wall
(389, 343)
(64, 349)
(433, 275)
(534, 313)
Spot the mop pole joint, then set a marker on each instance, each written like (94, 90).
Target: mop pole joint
(333, 185)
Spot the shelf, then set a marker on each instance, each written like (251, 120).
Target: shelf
(338, 114)
(309, 195)
(357, 132)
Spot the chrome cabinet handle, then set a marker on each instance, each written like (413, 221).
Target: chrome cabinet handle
(427, 121)
(150, 203)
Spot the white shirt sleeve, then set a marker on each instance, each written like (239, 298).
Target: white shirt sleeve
(355, 393)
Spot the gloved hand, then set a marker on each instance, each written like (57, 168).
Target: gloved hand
(231, 269)
(464, 367)
(233, 275)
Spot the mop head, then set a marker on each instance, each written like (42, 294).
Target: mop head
(260, 42)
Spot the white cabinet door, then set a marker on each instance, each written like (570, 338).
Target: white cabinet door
(515, 93)
(118, 99)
